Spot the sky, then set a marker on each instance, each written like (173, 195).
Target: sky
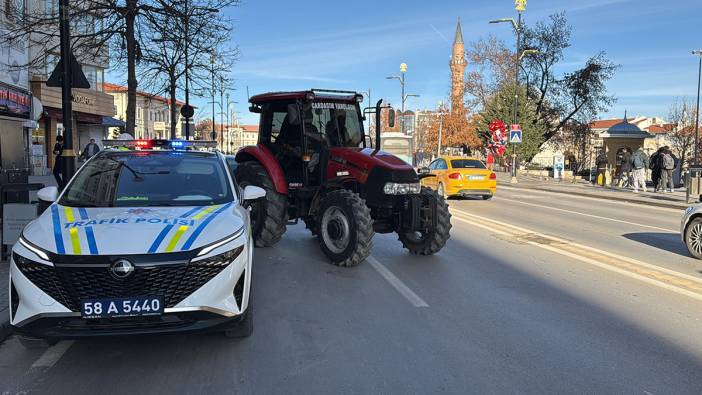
(295, 45)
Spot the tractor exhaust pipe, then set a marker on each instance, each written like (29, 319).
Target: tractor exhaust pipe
(378, 123)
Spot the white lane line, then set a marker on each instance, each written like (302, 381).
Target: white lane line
(52, 354)
(589, 215)
(575, 196)
(403, 289)
(634, 261)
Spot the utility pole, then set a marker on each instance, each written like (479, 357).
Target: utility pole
(213, 136)
(187, 76)
(68, 156)
(697, 116)
(221, 113)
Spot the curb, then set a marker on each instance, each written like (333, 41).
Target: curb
(676, 206)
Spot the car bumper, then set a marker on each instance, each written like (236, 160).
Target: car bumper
(471, 190)
(211, 306)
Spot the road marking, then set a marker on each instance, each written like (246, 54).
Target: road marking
(619, 202)
(52, 354)
(665, 278)
(590, 215)
(403, 289)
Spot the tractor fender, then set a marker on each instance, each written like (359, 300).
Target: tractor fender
(265, 157)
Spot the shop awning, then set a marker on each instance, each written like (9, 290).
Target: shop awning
(112, 122)
(80, 117)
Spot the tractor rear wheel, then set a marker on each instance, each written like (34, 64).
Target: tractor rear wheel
(345, 228)
(429, 243)
(269, 215)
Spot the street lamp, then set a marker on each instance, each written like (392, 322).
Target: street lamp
(401, 78)
(697, 116)
(520, 6)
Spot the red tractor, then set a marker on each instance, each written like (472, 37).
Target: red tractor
(316, 164)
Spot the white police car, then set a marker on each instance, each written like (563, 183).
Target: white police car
(150, 239)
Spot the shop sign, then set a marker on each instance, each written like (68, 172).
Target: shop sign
(15, 102)
(81, 99)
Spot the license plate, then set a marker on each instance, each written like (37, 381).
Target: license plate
(121, 307)
(476, 178)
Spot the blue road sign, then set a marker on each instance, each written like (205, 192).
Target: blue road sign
(515, 136)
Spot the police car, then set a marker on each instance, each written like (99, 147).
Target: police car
(150, 237)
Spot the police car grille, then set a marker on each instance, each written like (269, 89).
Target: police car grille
(70, 285)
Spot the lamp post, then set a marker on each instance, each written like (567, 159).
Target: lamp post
(520, 6)
(68, 156)
(401, 78)
(368, 94)
(697, 116)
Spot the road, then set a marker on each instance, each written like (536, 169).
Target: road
(535, 293)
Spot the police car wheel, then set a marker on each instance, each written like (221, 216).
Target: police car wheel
(34, 343)
(693, 238)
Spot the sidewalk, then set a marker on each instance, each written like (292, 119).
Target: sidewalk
(5, 268)
(675, 200)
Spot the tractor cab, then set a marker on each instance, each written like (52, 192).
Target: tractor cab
(300, 128)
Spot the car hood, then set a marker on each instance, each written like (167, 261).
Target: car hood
(132, 230)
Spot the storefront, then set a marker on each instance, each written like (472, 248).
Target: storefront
(15, 109)
(91, 109)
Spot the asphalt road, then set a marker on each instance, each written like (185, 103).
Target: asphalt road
(504, 308)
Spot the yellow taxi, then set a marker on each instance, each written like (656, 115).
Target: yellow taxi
(460, 176)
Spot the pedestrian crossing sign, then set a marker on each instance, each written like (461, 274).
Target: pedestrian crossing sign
(515, 136)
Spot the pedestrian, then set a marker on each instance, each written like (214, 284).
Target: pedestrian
(668, 165)
(640, 163)
(90, 150)
(602, 163)
(58, 151)
(656, 168)
(625, 169)
(490, 160)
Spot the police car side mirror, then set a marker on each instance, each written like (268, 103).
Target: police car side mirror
(253, 192)
(48, 194)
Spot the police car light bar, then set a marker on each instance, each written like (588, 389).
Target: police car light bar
(160, 144)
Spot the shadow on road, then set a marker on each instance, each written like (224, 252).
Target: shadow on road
(665, 241)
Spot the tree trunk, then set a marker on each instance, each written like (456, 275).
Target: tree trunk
(130, 19)
(174, 107)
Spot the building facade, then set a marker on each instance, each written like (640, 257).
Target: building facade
(240, 136)
(153, 116)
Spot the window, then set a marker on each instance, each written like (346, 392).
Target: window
(441, 165)
(51, 62)
(467, 164)
(91, 74)
(339, 122)
(274, 118)
(128, 179)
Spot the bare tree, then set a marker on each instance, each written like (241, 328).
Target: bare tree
(682, 115)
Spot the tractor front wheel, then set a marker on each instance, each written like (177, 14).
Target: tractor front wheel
(269, 215)
(429, 242)
(345, 228)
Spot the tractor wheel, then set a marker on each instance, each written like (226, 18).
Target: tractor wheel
(269, 216)
(429, 243)
(345, 228)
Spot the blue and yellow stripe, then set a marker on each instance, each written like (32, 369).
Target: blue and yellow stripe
(189, 243)
(58, 237)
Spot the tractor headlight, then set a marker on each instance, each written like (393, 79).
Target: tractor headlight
(394, 188)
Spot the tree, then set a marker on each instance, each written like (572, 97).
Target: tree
(558, 100)
(96, 25)
(163, 63)
(458, 129)
(682, 115)
(501, 106)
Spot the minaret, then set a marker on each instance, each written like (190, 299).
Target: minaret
(458, 65)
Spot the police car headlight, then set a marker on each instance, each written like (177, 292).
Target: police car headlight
(394, 188)
(207, 249)
(31, 247)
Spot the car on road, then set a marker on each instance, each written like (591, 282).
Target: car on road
(460, 176)
(153, 237)
(691, 229)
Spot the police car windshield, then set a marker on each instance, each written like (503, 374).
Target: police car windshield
(149, 178)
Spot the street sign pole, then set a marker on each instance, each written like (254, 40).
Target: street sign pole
(68, 156)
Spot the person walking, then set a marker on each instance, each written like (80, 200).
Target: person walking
(601, 163)
(656, 168)
(90, 150)
(640, 163)
(58, 151)
(625, 167)
(668, 165)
